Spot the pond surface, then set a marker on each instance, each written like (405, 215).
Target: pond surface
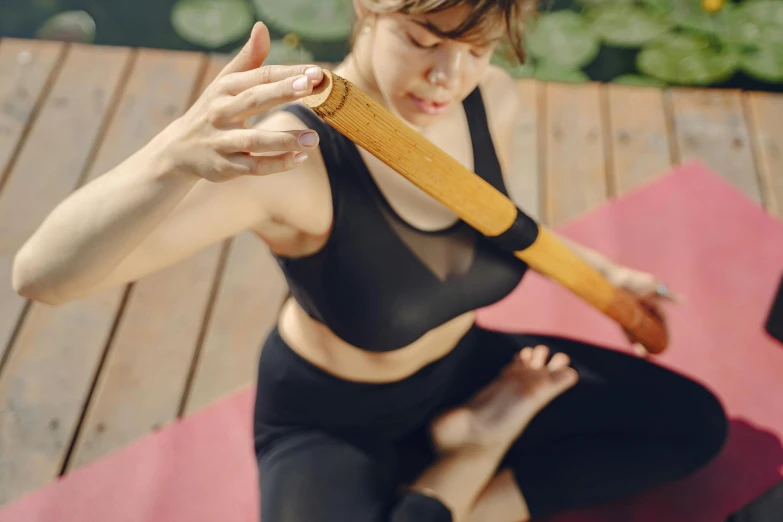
(712, 43)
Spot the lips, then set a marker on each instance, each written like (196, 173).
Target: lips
(428, 106)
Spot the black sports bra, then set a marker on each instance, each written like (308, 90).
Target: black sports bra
(379, 283)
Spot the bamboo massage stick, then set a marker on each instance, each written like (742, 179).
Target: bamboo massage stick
(365, 122)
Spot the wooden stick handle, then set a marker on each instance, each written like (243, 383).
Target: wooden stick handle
(368, 124)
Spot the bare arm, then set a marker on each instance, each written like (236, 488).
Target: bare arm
(192, 185)
(504, 114)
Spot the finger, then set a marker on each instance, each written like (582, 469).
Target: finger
(655, 309)
(262, 141)
(539, 357)
(640, 351)
(252, 54)
(261, 98)
(235, 83)
(266, 165)
(662, 290)
(558, 361)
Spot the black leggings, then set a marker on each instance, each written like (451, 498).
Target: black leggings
(330, 450)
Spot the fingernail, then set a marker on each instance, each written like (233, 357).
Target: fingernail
(308, 139)
(300, 84)
(300, 158)
(313, 73)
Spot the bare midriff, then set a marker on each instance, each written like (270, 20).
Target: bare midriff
(317, 344)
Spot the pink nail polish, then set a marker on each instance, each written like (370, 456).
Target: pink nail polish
(313, 73)
(300, 158)
(300, 84)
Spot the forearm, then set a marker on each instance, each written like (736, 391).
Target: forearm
(600, 262)
(94, 229)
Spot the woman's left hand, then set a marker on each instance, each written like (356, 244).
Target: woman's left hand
(650, 291)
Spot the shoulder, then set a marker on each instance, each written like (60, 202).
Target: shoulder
(500, 94)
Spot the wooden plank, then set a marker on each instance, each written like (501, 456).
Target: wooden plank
(639, 138)
(523, 182)
(33, 438)
(709, 126)
(141, 383)
(575, 179)
(25, 68)
(249, 296)
(765, 112)
(217, 61)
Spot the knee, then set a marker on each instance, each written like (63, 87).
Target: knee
(710, 430)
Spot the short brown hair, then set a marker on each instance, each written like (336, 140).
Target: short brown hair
(483, 14)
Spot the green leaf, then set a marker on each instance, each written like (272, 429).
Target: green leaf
(765, 64)
(600, 3)
(69, 26)
(563, 39)
(282, 53)
(500, 58)
(756, 23)
(682, 59)
(635, 79)
(322, 20)
(548, 72)
(659, 7)
(626, 25)
(690, 15)
(211, 23)
(744, 25)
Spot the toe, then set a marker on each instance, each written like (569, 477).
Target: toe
(526, 354)
(558, 361)
(539, 357)
(565, 377)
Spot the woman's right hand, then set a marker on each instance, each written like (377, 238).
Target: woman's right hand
(212, 141)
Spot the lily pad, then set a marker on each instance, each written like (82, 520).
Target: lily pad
(659, 7)
(211, 23)
(636, 79)
(281, 52)
(563, 39)
(681, 59)
(69, 26)
(626, 25)
(757, 23)
(601, 3)
(548, 72)
(738, 25)
(512, 67)
(690, 15)
(321, 20)
(765, 64)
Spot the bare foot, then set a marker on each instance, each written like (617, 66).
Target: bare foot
(497, 414)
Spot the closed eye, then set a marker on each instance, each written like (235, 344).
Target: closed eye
(420, 45)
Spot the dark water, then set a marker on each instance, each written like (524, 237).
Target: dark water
(135, 23)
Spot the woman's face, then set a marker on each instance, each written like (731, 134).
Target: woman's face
(421, 75)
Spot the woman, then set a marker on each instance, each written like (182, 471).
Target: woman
(378, 397)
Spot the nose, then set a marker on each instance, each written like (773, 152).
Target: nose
(448, 69)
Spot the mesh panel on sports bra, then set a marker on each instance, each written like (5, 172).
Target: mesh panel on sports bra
(448, 253)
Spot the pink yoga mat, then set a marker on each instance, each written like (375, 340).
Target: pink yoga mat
(708, 242)
(690, 227)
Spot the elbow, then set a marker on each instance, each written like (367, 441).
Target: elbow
(26, 283)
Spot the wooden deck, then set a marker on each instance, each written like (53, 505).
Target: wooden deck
(82, 380)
